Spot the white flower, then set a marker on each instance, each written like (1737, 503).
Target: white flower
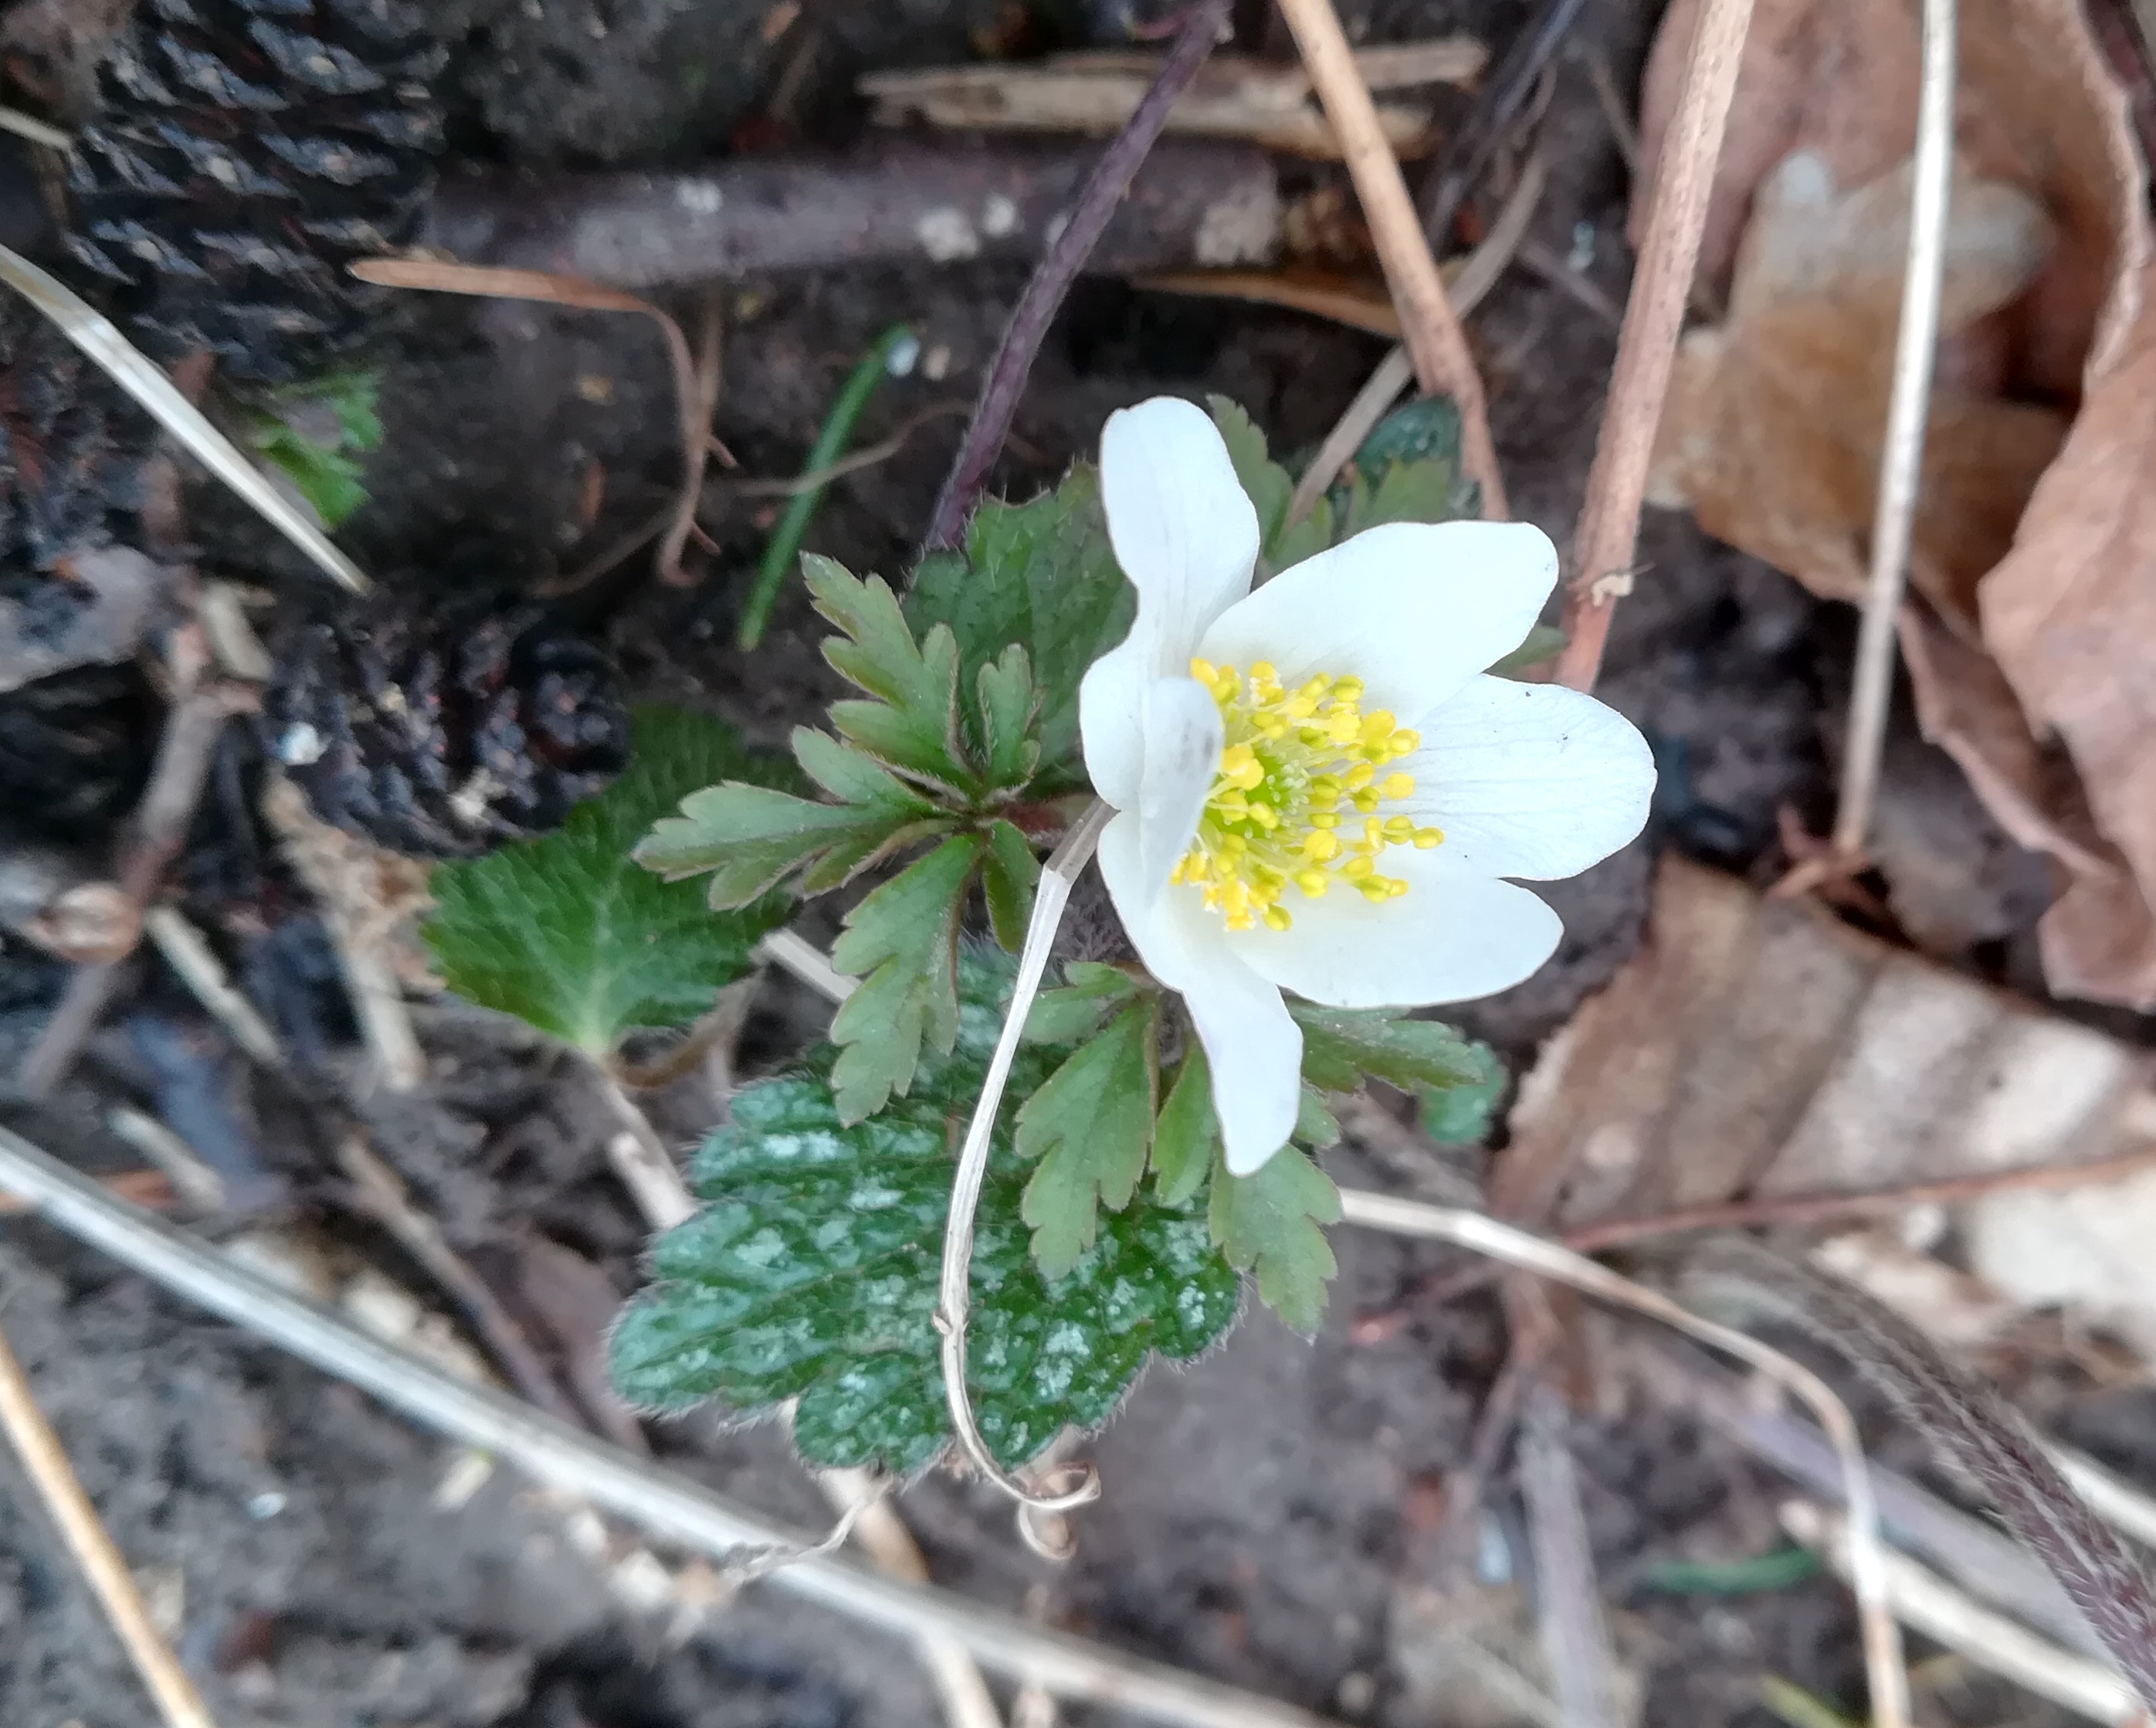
(1317, 789)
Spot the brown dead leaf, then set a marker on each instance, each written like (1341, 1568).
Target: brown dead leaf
(1773, 432)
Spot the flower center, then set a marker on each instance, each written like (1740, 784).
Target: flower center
(1294, 802)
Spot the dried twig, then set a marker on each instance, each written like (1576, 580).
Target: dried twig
(1443, 362)
(555, 1453)
(692, 385)
(158, 829)
(102, 1563)
(641, 1160)
(187, 952)
(192, 1180)
(1902, 461)
(1646, 347)
(1929, 1604)
(1787, 1210)
(1058, 876)
(1058, 267)
(1473, 278)
(1888, 1677)
(1972, 1429)
(1575, 1635)
(119, 360)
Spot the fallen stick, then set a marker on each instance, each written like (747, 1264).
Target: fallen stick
(102, 1563)
(1193, 203)
(664, 1505)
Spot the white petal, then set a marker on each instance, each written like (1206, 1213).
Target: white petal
(1252, 1044)
(1183, 739)
(1182, 529)
(1187, 537)
(1453, 936)
(1413, 609)
(1528, 780)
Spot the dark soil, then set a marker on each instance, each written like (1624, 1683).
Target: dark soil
(1270, 1512)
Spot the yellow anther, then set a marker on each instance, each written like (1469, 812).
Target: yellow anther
(1292, 762)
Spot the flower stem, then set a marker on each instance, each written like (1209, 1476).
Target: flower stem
(1058, 267)
(831, 442)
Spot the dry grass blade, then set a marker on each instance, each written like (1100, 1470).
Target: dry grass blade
(1884, 1668)
(1646, 347)
(1900, 468)
(1443, 362)
(696, 387)
(954, 1288)
(1930, 1605)
(665, 1504)
(119, 360)
(46, 1465)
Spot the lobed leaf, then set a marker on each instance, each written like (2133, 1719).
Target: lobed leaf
(569, 934)
(1090, 1126)
(1266, 1224)
(913, 723)
(1340, 1046)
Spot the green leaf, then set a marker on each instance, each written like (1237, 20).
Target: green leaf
(1091, 1126)
(566, 933)
(1268, 484)
(1009, 700)
(1075, 1013)
(752, 838)
(1267, 1222)
(812, 1273)
(1315, 1125)
(1460, 1114)
(1425, 429)
(305, 432)
(1009, 874)
(1043, 576)
(1187, 1133)
(331, 481)
(1542, 643)
(1340, 1046)
(912, 723)
(902, 941)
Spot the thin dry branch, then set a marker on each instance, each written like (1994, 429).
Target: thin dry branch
(1444, 365)
(1654, 319)
(645, 1494)
(1900, 468)
(1885, 1671)
(46, 1465)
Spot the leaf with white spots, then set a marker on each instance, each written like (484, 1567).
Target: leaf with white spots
(810, 1274)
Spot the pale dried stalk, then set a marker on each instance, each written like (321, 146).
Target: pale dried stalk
(187, 952)
(1646, 347)
(1900, 467)
(955, 1284)
(1443, 362)
(46, 1465)
(1470, 278)
(646, 1493)
(1928, 1603)
(120, 360)
(1885, 1671)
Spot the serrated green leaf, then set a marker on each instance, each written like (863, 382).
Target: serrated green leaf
(1460, 1114)
(752, 838)
(853, 778)
(1268, 485)
(1075, 1013)
(1187, 1133)
(913, 723)
(1340, 1046)
(1305, 537)
(1424, 429)
(1267, 1224)
(1041, 575)
(1009, 700)
(1009, 874)
(902, 941)
(1090, 1125)
(1541, 643)
(1408, 470)
(568, 934)
(331, 481)
(812, 1273)
(1315, 1125)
